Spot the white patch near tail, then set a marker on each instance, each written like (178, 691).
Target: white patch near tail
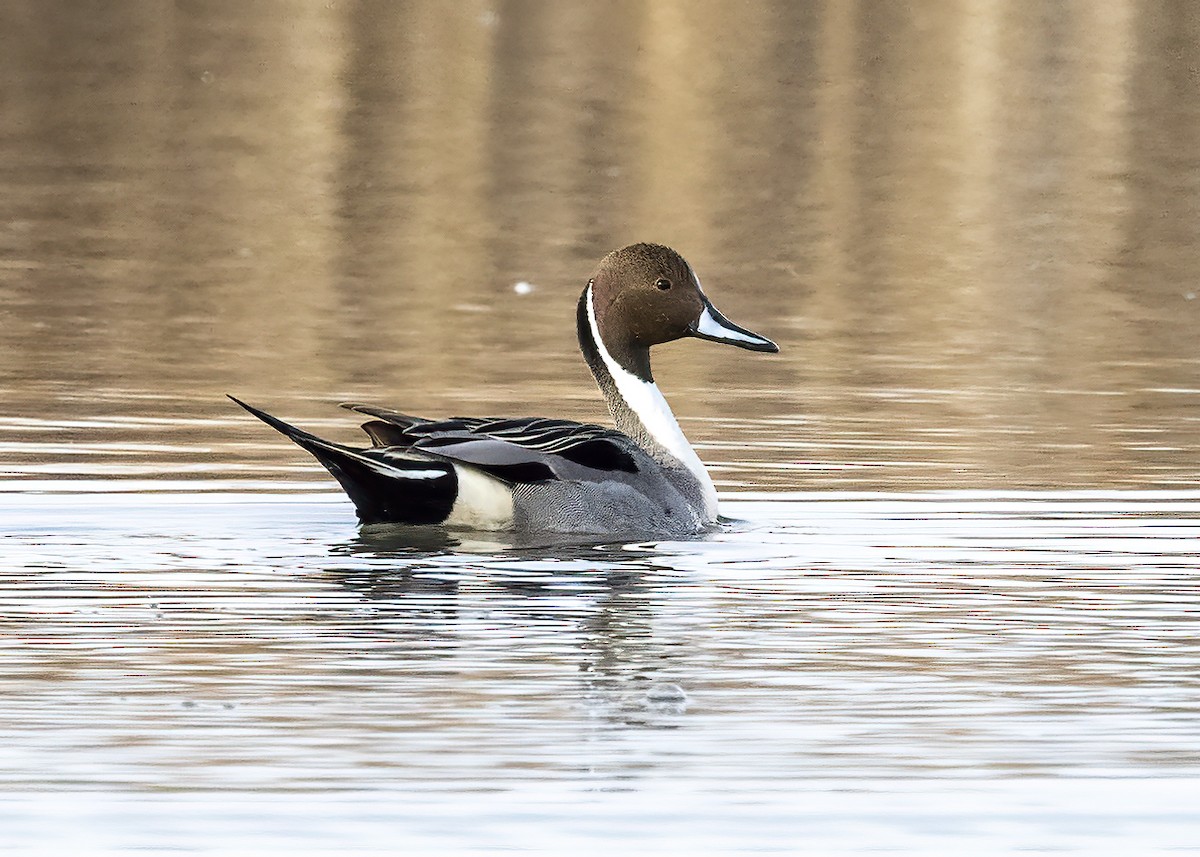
(402, 471)
(483, 503)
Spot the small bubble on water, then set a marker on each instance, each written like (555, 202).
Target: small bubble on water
(523, 288)
(666, 692)
(206, 77)
(1189, 296)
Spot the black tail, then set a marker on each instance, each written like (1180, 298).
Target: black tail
(385, 488)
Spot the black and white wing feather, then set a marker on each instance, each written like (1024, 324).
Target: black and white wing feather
(517, 450)
(469, 471)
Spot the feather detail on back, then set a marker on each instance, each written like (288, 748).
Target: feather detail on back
(514, 449)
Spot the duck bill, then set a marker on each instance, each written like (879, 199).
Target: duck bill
(713, 326)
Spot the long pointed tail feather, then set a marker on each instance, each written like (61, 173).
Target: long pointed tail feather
(385, 488)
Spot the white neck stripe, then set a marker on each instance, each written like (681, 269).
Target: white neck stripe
(647, 402)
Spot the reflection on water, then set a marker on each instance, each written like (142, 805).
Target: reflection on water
(973, 650)
(969, 226)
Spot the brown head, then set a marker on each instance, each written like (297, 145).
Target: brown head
(647, 294)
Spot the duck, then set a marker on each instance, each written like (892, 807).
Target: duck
(546, 475)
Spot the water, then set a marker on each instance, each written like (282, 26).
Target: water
(955, 608)
(828, 674)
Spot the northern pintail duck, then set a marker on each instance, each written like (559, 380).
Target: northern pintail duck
(538, 474)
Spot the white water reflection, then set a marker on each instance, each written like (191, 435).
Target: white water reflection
(929, 669)
(1097, 817)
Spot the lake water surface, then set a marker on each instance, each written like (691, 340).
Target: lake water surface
(955, 608)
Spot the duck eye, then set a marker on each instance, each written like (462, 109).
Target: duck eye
(663, 283)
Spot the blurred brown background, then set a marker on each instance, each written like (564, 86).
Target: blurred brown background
(971, 226)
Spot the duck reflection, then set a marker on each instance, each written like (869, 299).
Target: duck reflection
(516, 612)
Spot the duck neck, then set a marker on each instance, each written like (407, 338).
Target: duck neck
(637, 406)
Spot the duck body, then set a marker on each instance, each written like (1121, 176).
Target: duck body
(536, 474)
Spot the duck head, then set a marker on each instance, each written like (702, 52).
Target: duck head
(646, 294)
